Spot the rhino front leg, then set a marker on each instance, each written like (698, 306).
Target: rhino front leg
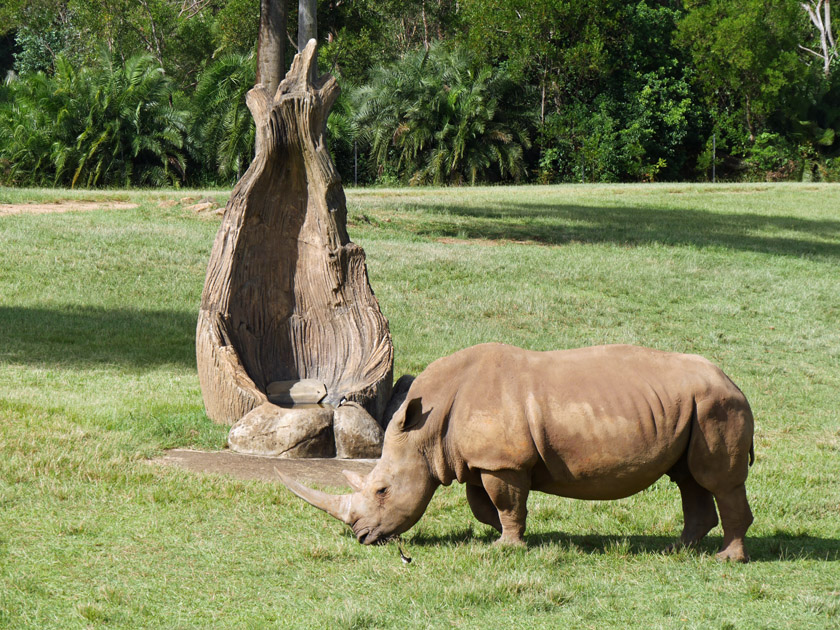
(482, 507)
(508, 491)
(699, 513)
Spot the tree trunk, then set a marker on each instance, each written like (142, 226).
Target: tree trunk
(287, 295)
(307, 22)
(822, 22)
(271, 45)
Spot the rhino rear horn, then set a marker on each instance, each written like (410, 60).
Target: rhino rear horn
(337, 506)
(355, 480)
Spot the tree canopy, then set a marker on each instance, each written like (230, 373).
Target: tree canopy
(434, 91)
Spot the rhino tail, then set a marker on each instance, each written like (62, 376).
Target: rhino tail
(752, 452)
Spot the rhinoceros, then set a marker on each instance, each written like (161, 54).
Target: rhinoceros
(592, 423)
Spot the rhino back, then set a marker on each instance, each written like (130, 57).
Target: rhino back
(596, 423)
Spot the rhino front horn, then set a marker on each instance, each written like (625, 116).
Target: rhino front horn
(337, 506)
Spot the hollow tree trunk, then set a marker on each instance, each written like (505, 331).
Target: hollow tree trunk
(286, 295)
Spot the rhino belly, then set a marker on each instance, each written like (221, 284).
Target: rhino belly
(587, 456)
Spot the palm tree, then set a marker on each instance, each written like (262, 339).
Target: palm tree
(436, 117)
(223, 126)
(342, 132)
(106, 125)
(26, 127)
(132, 133)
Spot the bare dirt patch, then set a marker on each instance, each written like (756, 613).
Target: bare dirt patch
(450, 240)
(489, 242)
(326, 472)
(205, 207)
(7, 209)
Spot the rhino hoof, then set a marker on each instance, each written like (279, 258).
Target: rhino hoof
(510, 543)
(733, 555)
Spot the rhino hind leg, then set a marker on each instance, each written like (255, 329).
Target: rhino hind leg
(482, 507)
(736, 517)
(508, 491)
(719, 454)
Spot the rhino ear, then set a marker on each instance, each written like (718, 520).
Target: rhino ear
(414, 417)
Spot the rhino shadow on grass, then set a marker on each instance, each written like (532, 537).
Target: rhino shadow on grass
(771, 548)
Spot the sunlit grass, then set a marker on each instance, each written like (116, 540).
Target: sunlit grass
(97, 370)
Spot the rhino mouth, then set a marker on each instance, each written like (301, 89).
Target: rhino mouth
(370, 536)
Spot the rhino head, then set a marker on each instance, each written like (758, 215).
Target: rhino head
(391, 498)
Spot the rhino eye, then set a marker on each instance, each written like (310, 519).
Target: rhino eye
(382, 492)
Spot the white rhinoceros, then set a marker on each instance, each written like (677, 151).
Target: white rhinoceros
(593, 423)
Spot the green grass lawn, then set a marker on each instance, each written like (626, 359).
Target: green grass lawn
(97, 376)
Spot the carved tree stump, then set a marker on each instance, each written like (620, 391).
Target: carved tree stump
(287, 295)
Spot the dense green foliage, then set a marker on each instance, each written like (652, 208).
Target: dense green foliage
(434, 117)
(436, 91)
(223, 126)
(112, 125)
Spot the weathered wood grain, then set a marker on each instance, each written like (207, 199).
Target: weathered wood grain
(287, 296)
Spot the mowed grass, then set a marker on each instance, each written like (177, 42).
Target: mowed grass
(97, 376)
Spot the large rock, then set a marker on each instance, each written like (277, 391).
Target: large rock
(289, 432)
(357, 434)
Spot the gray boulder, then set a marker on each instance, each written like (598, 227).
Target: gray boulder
(357, 434)
(288, 432)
